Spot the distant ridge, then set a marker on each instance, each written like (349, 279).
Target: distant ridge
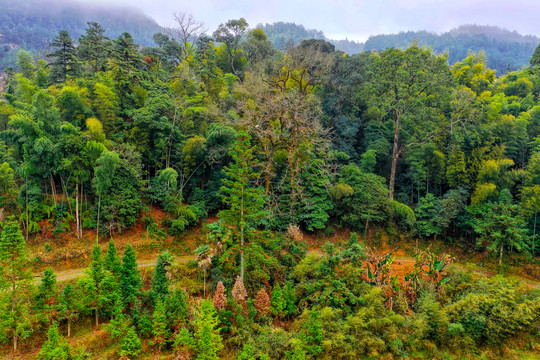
(32, 24)
(505, 50)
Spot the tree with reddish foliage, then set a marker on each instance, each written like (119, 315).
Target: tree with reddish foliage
(239, 292)
(262, 303)
(219, 300)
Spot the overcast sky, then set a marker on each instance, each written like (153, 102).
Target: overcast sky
(353, 19)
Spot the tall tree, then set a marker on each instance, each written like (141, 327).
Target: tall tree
(65, 61)
(206, 332)
(230, 34)
(15, 285)
(411, 88)
(94, 47)
(130, 280)
(245, 201)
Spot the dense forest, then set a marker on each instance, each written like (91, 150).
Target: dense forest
(505, 50)
(261, 150)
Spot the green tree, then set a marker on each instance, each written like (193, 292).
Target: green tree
(47, 296)
(245, 202)
(25, 64)
(207, 335)
(500, 225)
(160, 330)
(65, 61)
(410, 88)
(160, 280)
(112, 262)
(56, 347)
(94, 47)
(231, 34)
(130, 345)
(130, 280)
(15, 285)
(277, 302)
(70, 304)
(106, 165)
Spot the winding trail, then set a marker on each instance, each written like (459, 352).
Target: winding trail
(400, 264)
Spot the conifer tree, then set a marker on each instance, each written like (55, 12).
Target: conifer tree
(130, 346)
(262, 303)
(159, 325)
(277, 303)
(219, 300)
(239, 292)
(117, 326)
(245, 201)
(207, 335)
(160, 281)
(47, 296)
(112, 262)
(177, 308)
(56, 347)
(69, 305)
(289, 296)
(130, 281)
(94, 47)
(15, 285)
(65, 60)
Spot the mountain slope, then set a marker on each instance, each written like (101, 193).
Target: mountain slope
(505, 50)
(32, 24)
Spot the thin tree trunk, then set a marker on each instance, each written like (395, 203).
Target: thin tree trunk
(500, 256)
(77, 220)
(53, 189)
(14, 343)
(366, 229)
(97, 227)
(97, 319)
(534, 234)
(27, 215)
(395, 155)
(204, 270)
(69, 328)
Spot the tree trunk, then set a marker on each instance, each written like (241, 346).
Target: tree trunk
(14, 343)
(395, 156)
(366, 229)
(500, 256)
(204, 291)
(242, 253)
(77, 207)
(534, 234)
(27, 215)
(69, 328)
(53, 189)
(97, 226)
(97, 319)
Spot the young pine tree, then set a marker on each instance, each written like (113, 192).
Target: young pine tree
(56, 347)
(130, 346)
(159, 325)
(69, 306)
(208, 340)
(277, 303)
(160, 281)
(112, 262)
(15, 285)
(130, 280)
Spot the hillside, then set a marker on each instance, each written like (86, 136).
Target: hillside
(505, 50)
(32, 24)
(284, 34)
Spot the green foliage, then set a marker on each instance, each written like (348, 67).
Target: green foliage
(130, 345)
(56, 347)
(277, 303)
(207, 338)
(130, 279)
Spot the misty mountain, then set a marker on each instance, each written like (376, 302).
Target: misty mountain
(32, 24)
(284, 34)
(505, 50)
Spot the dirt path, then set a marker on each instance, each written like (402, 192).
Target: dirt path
(401, 265)
(66, 275)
